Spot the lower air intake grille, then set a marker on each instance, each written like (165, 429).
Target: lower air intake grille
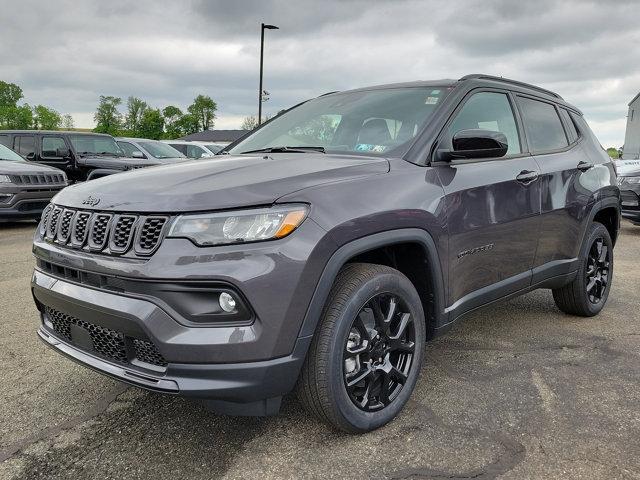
(107, 343)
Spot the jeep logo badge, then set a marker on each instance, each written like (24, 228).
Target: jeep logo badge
(92, 201)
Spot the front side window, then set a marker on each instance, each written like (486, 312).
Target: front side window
(370, 122)
(50, 146)
(25, 145)
(542, 124)
(4, 140)
(488, 111)
(182, 148)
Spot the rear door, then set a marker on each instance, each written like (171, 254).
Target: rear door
(565, 203)
(493, 207)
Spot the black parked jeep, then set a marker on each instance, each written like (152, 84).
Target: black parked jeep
(329, 245)
(83, 156)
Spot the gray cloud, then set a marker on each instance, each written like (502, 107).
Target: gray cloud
(66, 53)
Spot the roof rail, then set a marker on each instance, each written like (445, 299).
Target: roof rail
(328, 93)
(513, 82)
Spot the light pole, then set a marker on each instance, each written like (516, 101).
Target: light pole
(262, 29)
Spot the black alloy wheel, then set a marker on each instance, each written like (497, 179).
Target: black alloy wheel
(597, 271)
(379, 352)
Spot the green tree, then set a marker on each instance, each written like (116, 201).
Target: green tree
(203, 110)
(19, 118)
(249, 123)
(151, 124)
(613, 152)
(135, 110)
(107, 117)
(188, 124)
(172, 115)
(45, 118)
(67, 122)
(11, 115)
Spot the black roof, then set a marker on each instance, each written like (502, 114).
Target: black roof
(215, 136)
(57, 132)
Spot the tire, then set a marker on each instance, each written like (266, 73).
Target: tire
(577, 297)
(362, 296)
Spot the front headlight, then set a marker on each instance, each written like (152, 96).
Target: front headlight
(252, 225)
(632, 180)
(5, 179)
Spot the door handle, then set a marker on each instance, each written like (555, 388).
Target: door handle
(527, 176)
(584, 166)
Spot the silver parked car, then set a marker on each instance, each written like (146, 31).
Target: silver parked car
(152, 149)
(195, 149)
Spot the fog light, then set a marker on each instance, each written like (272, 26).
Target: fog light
(227, 302)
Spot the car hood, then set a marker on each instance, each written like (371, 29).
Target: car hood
(25, 168)
(218, 183)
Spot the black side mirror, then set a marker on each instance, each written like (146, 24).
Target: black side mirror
(476, 143)
(63, 152)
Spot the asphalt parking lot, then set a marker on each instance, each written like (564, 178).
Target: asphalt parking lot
(516, 391)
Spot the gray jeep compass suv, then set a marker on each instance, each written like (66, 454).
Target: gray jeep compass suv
(326, 247)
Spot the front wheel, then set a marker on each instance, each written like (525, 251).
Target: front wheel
(365, 358)
(587, 294)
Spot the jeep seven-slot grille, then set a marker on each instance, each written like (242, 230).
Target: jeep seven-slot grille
(104, 342)
(38, 179)
(103, 232)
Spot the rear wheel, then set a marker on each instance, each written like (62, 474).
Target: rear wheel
(588, 292)
(365, 358)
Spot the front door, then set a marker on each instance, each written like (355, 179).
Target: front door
(493, 209)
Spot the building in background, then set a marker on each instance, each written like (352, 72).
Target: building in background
(215, 136)
(631, 149)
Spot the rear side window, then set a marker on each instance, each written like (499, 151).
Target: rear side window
(50, 145)
(583, 127)
(543, 126)
(25, 145)
(572, 133)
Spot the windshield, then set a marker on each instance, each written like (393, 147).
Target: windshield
(9, 155)
(371, 122)
(161, 150)
(213, 148)
(95, 145)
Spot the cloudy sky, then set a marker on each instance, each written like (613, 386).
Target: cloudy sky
(66, 53)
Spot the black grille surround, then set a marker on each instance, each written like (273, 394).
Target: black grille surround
(107, 343)
(103, 232)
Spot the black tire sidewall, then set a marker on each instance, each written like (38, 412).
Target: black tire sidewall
(597, 230)
(349, 414)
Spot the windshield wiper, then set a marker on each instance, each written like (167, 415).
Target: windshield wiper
(286, 150)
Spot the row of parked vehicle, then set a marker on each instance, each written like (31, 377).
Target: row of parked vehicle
(35, 165)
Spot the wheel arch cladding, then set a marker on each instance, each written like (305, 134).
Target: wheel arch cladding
(393, 248)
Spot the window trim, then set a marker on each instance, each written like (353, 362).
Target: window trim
(136, 147)
(568, 147)
(524, 149)
(41, 149)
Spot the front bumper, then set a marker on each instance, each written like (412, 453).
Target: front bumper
(253, 388)
(19, 203)
(630, 202)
